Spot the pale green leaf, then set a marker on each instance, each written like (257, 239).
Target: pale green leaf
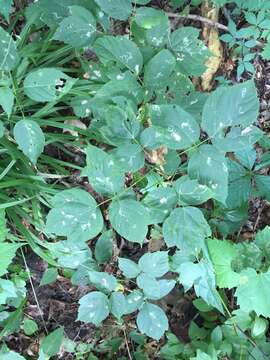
(8, 51)
(118, 304)
(209, 167)
(30, 138)
(29, 326)
(104, 247)
(130, 219)
(75, 214)
(186, 228)
(158, 69)
(51, 344)
(7, 290)
(49, 276)
(94, 308)
(47, 84)
(230, 106)
(152, 321)
(171, 126)
(253, 293)
(78, 29)
(103, 281)
(129, 268)
(117, 9)
(129, 157)
(119, 50)
(222, 254)
(6, 100)
(103, 172)
(154, 289)
(134, 301)
(154, 264)
(5, 8)
(7, 253)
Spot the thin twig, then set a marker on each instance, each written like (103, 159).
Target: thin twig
(127, 346)
(202, 19)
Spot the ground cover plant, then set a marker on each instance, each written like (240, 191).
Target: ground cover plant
(134, 179)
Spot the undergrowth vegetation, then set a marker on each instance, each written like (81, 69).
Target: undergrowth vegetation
(130, 182)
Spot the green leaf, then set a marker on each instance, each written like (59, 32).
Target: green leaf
(6, 100)
(129, 268)
(51, 344)
(8, 51)
(171, 126)
(262, 240)
(5, 8)
(29, 326)
(7, 253)
(209, 167)
(103, 172)
(47, 84)
(230, 106)
(104, 247)
(49, 276)
(75, 214)
(154, 289)
(117, 9)
(130, 219)
(155, 25)
(129, 157)
(118, 304)
(78, 29)
(222, 254)
(94, 308)
(203, 356)
(253, 293)
(119, 50)
(103, 281)
(70, 254)
(155, 264)
(158, 69)
(202, 277)
(159, 202)
(259, 327)
(191, 53)
(152, 321)
(30, 138)
(191, 192)
(2, 132)
(7, 290)
(266, 51)
(11, 355)
(3, 229)
(186, 228)
(263, 185)
(135, 300)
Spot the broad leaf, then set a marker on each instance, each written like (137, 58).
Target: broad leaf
(129, 157)
(47, 84)
(209, 167)
(51, 344)
(104, 247)
(152, 321)
(158, 203)
(253, 293)
(11, 355)
(75, 214)
(30, 138)
(6, 100)
(8, 51)
(103, 281)
(103, 172)
(94, 308)
(130, 219)
(154, 289)
(5, 8)
(222, 254)
(158, 69)
(129, 268)
(118, 304)
(7, 253)
(191, 53)
(171, 126)
(230, 106)
(154, 264)
(117, 9)
(202, 277)
(7, 290)
(191, 192)
(134, 301)
(186, 228)
(119, 50)
(78, 29)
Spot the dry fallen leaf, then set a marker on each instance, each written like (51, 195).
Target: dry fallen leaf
(156, 156)
(211, 37)
(78, 123)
